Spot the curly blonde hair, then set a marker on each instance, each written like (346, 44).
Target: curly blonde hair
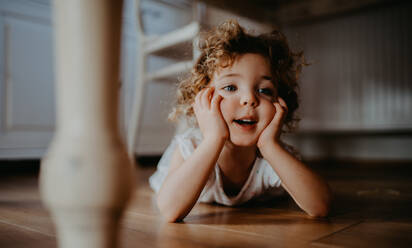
(220, 48)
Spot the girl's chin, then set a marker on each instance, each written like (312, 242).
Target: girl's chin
(243, 142)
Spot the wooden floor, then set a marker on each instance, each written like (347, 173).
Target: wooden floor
(372, 208)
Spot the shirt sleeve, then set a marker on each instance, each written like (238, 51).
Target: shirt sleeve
(187, 143)
(270, 177)
(156, 180)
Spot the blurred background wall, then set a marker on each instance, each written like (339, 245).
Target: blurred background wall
(356, 97)
(357, 94)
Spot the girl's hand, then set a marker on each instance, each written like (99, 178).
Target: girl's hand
(272, 132)
(208, 114)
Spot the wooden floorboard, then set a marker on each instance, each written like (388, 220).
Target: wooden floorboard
(371, 234)
(371, 209)
(20, 236)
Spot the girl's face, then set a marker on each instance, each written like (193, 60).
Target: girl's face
(248, 96)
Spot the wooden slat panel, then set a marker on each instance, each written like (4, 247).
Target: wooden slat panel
(360, 77)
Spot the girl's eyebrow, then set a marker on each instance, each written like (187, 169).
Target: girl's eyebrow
(267, 78)
(230, 75)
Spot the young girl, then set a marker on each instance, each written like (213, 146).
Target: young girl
(241, 90)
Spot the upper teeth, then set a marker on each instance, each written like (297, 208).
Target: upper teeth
(245, 120)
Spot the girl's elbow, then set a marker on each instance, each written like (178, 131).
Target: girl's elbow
(321, 210)
(323, 206)
(170, 218)
(168, 213)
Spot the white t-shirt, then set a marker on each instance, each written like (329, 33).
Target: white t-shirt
(262, 183)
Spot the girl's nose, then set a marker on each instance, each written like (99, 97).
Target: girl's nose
(249, 100)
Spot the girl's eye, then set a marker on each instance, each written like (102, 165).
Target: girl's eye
(266, 91)
(229, 88)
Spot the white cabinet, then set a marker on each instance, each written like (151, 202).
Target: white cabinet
(26, 79)
(27, 96)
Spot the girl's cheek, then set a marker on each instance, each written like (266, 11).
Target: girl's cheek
(225, 109)
(223, 104)
(272, 111)
(268, 116)
(273, 99)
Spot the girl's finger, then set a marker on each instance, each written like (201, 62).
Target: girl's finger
(283, 103)
(200, 96)
(216, 102)
(280, 112)
(209, 96)
(206, 97)
(197, 103)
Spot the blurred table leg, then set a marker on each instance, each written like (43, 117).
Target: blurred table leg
(87, 177)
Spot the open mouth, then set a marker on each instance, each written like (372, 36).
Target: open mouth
(246, 122)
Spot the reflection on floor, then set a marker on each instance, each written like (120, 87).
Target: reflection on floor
(372, 208)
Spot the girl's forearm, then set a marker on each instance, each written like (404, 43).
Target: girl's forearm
(307, 188)
(182, 188)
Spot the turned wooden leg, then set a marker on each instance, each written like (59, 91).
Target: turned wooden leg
(86, 177)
